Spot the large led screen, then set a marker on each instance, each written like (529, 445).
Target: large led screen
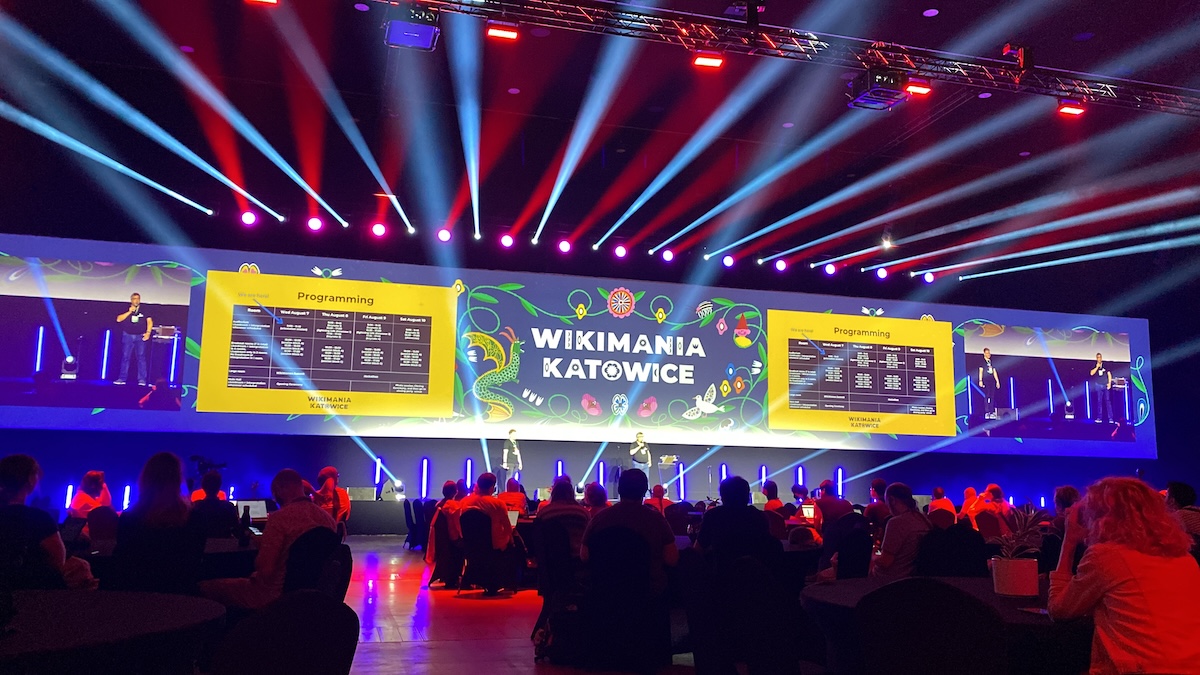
(228, 341)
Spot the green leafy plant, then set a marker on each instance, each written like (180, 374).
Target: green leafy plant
(1025, 539)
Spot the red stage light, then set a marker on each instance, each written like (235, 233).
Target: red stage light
(707, 58)
(263, 2)
(502, 30)
(315, 224)
(249, 218)
(918, 87)
(1068, 106)
(379, 229)
(506, 241)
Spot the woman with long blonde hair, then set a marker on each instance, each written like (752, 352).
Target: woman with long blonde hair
(1136, 579)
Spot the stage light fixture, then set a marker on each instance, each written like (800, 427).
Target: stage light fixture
(249, 218)
(379, 229)
(595, 247)
(780, 265)
(503, 30)
(928, 277)
(1070, 106)
(70, 368)
(419, 29)
(830, 269)
(667, 256)
(760, 261)
(707, 58)
(620, 251)
(564, 246)
(443, 235)
(881, 272)
(886, 243)
(727, 261)
(878, 89)
(918, 86)
(315, 224)
(263, 2)
(506, 241)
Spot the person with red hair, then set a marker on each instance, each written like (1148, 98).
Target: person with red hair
(1136, 580)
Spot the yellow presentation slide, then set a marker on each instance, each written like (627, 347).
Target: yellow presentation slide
(860, 374)
(304, 345)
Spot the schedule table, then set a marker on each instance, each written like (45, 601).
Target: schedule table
(289, 348)
(860, 377)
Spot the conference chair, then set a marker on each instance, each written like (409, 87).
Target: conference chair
(420, 525)
(630, 626)
(988, 524)
(776, 524)
(447, 554)
(952, 552)
(411, 538)
(319, 561)
(102, 524)
(941, 518)
(482, 562)
(557, 567)
(678, 518)
(301, 632)
(921, 625)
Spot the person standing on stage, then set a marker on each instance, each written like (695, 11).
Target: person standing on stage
(989, 384)
(511, 447)
(136, 325)
(1102, 385)
(639, 453)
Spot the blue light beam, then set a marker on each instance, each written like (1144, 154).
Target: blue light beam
(466, 56)
(1181, 242)
(54, 135)
(151, 39)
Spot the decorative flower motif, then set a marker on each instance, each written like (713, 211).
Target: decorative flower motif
(730, 370)
(704, 309)
(580, 311)
(590, 405)
(660, 315)
(248, 268)
(647, 407)
(739, 385)
(725, 388)
(721, 326)
(755, 367)
(620, 404)
(459, 287)
(620, 302)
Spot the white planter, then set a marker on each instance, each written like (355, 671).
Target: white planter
(1015, 577)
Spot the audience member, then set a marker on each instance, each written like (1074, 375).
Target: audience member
(770, 490)
(1136, 580)
(1181, 499)
(484, 500)
(595, 498)
(802, 498)
(968, 505)
(157, 548)
(161, 397)
(333, 499)
(454, 534)
(461, 490)
(658, 499)
(451, 506)
(799, 494)
(650, 525)
(1065, 498)
(296, 515)
(902, 534)
(940, 501)
(213, 516)
(32, 554)
(735, 528)
(832, 506)
(877, 511)
(514, 497)
(562, 505)
(93, 492)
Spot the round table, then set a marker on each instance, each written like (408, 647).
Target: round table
(106, 631)
(1035, 643)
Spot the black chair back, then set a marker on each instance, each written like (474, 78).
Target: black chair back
(301, 632)
(941, 518)
(776, 524)
(677, 517)
(420, 531)
(789, 509)
(836, 531)
(482, 560)
(102, 524)
(410, 538)
(988, 524)
(952, 552)
(314, 562)
(448, 557)
(429, 508)
(971, 631)
(854, 555)
(621, 607)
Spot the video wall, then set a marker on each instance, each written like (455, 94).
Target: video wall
(132, 337)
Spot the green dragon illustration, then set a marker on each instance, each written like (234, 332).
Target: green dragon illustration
(487, 385)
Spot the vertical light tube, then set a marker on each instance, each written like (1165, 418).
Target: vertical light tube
(762, 474)
(1050, 394)
(70, 495)
(1012, 393)
(1127, 418)
(724, 471)
(37, 360)
(603, 474)
(174, 356)
(970, 397)
(558, 469)
(125, 501)
(470, 470)
(1043, 502)
(679, 471)
(231, 497)
(104, 357)
(841, 477)
(424, 477)
(1087, 399)
(378, 469)
(799, 475)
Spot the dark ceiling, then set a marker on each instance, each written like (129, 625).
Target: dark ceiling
(405, 106)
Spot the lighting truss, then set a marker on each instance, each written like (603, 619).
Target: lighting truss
(694, 31)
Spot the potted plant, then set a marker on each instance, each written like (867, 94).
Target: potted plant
(1015, 569)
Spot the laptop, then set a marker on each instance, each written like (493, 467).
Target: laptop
(809, 511)
(258, 507)
(512, 518)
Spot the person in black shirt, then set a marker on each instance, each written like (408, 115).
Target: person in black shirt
(214, 516)
(136, 326)
(1102, 390)
(735, 528)
(32, 554)
(989, 383)
(639, 453)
